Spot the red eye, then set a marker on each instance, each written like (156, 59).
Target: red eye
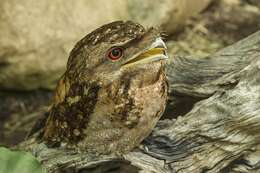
(115, 53)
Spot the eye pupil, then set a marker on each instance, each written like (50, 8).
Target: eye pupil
(115, 53)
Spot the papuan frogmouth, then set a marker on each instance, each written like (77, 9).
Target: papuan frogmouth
(112, 93)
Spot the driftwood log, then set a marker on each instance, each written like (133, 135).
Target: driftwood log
(212, 123)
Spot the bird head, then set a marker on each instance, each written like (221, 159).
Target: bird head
(115, 50)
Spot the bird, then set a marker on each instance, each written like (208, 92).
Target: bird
(113, 92)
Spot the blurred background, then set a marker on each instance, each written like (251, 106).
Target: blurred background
(37, 36)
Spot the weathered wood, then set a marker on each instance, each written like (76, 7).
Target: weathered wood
(219, 130)
(194, 78)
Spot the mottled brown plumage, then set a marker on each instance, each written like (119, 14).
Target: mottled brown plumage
(109, 106)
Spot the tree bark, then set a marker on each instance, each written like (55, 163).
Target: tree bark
(215, 101)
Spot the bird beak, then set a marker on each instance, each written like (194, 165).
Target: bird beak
(156, 52)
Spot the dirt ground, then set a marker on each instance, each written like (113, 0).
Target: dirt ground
(221, 24)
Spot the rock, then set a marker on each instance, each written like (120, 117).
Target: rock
(36, 36)
(169, 14)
